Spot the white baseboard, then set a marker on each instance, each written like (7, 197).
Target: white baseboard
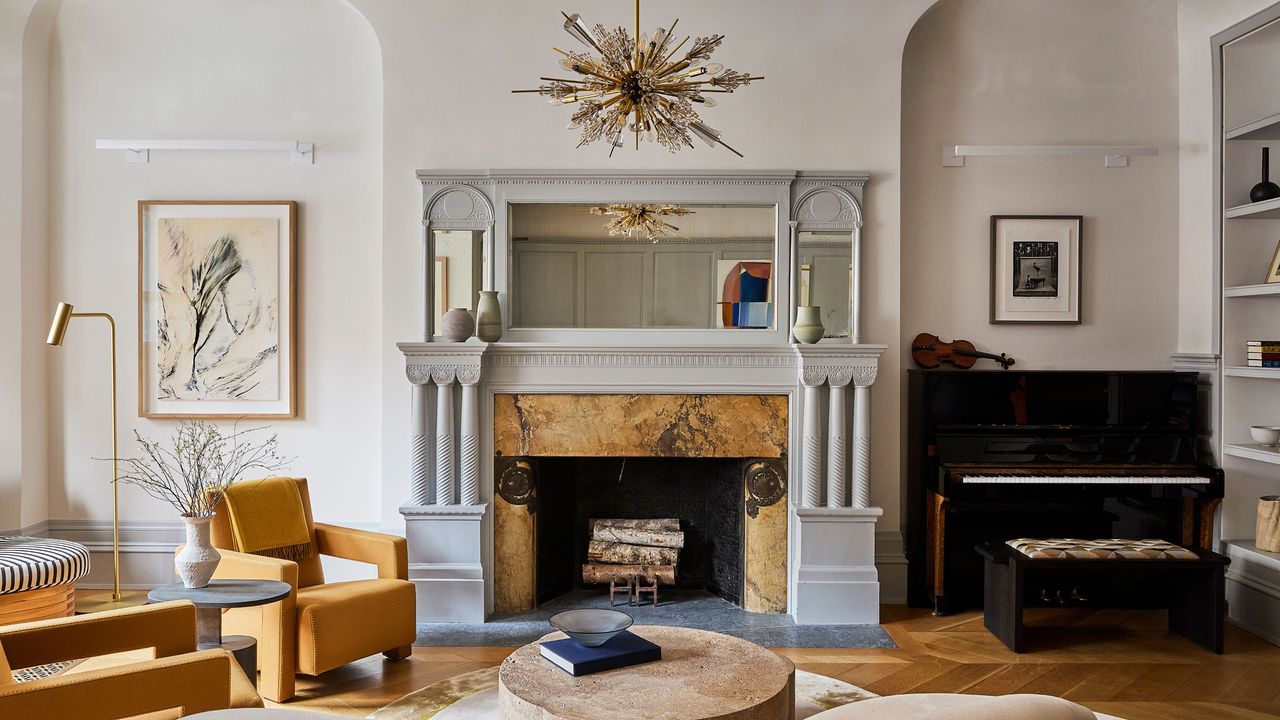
(1253, 591)
(891, 564)
(146, 550)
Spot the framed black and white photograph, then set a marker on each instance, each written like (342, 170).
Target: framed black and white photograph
(216, 309)
(1035, 268)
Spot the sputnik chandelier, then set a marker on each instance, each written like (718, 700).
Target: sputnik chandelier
(643, 79)
(645, 219)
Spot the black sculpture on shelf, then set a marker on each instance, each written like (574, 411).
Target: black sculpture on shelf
(1265, 190)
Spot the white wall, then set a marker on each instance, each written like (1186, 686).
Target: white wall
(24, 43)
(830, 100)
(1040, 72)
(288, 69)
(1198, 21)
(425, 84)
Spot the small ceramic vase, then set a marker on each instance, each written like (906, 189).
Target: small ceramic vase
(457, 325)
(488, 317)
(199, 558)
(808, 328)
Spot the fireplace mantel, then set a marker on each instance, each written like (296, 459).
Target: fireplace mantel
(827, 387)
(831, 537)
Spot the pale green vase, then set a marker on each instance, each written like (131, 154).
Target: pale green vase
(488, 317)
(808, 328)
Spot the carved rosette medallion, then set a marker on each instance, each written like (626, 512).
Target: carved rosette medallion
(766, 481)
(515, 482)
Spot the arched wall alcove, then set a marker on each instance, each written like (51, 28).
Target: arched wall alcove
(1039, 72)
(308, 70)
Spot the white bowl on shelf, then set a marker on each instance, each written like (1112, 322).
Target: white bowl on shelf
(1265, 434)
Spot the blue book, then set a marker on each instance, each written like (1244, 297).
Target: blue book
(622, 650)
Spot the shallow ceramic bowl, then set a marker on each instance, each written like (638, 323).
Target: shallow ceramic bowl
(1265, 434)
(591, 627)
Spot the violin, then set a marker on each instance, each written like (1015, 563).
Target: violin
(928, 351)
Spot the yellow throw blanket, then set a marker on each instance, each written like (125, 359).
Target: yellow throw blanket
(267, 518)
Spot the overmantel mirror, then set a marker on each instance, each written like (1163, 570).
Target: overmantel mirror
(642, 257)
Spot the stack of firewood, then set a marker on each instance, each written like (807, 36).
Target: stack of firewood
(623, 549)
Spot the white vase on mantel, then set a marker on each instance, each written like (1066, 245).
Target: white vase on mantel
(198, 559)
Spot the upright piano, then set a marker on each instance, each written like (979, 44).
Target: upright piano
(997, 455)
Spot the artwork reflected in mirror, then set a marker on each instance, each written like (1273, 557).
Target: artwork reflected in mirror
(714, 271)
(826, 276)
(459, 271)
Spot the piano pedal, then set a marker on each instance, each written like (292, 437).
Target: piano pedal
(1078, 596)
(1044, 596)
(1062, 600)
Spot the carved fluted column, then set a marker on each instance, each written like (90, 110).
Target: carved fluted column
(445, 455)
(421, 484)
(811, 434)
(837, 452)
(862, 443)
(469, 439)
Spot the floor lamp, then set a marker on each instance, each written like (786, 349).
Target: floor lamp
(102, 601)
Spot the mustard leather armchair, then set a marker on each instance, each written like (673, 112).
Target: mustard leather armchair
(180, 681)
(321, 626)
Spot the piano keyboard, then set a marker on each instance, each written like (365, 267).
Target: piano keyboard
(1085, 480)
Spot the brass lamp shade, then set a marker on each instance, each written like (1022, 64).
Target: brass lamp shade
(58, 328)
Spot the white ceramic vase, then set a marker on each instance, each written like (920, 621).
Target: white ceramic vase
(199, 558)
(488, 317)
(457, 325)
(808, 328)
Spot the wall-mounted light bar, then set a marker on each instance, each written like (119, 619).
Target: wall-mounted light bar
(139, 151)
(1112, 155)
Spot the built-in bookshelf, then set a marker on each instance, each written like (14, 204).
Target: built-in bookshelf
(1247, 233)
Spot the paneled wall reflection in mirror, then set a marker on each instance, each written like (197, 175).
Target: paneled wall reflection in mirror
(826, 277)
(459, 271)
(716, 270)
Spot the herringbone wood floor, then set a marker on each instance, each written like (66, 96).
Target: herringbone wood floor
(1120, 662)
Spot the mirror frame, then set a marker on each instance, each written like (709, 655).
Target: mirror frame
(482, 200)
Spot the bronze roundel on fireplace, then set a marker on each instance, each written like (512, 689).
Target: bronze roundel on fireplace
(515, 481)
(766, 481)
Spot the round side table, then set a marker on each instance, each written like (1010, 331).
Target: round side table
(217, 596)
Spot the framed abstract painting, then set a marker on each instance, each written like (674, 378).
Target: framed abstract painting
(1035, 268)
(217, 309)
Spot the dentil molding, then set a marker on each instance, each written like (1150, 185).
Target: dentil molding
(834, 363)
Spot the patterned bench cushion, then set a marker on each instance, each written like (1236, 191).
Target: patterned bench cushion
(1103, 549)
(29, 563)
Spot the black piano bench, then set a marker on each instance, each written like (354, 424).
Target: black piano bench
(1195, 588)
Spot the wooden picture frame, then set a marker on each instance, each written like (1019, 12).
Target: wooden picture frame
(1273, 271)
(441, 293)
(1035, 269)
(217, 311)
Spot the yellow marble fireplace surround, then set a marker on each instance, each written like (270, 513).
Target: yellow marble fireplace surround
(530, 425)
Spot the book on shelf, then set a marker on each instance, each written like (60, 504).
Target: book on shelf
(1263, 348)
(622, 650)
(1263, 356)
(1262, 363)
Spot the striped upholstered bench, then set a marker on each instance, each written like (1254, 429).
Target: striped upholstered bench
(1189, 581)
(38, 577)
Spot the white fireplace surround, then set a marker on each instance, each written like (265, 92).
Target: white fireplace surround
(832, 577)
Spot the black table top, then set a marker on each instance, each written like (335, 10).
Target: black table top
(224, 593)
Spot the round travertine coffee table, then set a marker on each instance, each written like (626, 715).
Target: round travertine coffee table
(702, 676)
